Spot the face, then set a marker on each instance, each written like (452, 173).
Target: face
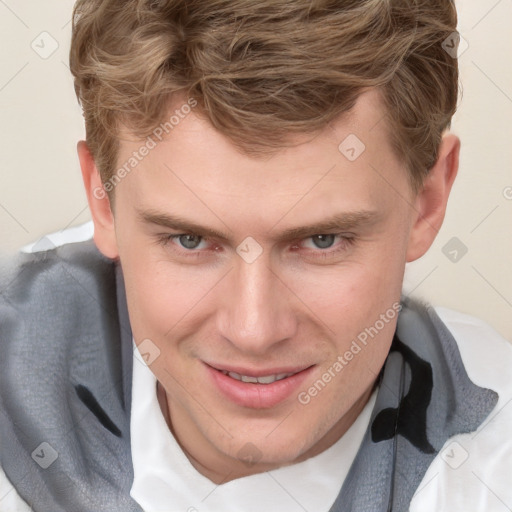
(257, 279)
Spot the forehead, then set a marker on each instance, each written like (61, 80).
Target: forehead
(350, 162)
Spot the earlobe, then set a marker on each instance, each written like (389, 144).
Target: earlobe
(99, 204)
(431, 200)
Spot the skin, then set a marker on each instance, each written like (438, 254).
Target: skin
(297, 305)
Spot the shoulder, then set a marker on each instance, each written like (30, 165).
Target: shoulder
(46, 277)
(486, 355)
(51, 302)
(59, 329)
(47, 259)
(48, 296)
(472, 471)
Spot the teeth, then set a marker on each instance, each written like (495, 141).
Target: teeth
(267, 379)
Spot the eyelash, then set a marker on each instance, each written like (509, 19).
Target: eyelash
(166, 240)
(346, 241)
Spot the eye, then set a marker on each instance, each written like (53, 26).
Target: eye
(188, 247)
(188, 241)
(321, 241)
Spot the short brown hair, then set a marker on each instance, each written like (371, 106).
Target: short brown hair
(263, 70)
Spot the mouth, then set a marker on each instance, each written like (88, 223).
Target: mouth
(257, 389)
(265, 379)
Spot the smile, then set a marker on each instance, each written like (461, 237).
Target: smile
(266, 379)
(257, 389)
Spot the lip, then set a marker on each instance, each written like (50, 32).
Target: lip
(257, 396)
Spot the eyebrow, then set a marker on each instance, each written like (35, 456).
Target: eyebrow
(177, 223)
(345, 221)
(337, 223)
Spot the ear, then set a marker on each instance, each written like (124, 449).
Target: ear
(431, 200)
(99, 204)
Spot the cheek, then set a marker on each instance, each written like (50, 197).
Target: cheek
(158, 297)
(347, 298)
(168, 304)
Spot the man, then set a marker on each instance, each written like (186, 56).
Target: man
(258, 174)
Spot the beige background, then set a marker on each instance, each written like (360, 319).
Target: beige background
(41, 189)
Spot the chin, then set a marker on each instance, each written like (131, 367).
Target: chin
(273, 450)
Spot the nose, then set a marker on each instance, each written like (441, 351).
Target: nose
(256, 310)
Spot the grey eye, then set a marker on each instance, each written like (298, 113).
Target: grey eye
(190, 241)
(323, 241)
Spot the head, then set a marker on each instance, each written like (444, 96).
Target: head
(263, 171)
